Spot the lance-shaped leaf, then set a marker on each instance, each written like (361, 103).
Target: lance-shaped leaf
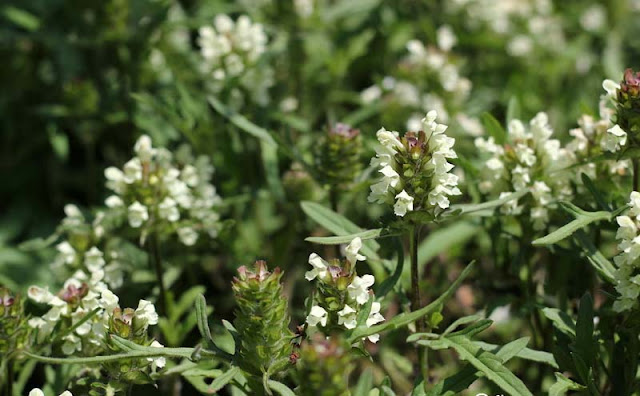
(241, 122)
(582, 219)
(200, 381)
(484, 361)
(486, 208)
(339, 240)
(406, 318)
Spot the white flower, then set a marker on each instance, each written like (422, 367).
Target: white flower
(446, 38)
(317, 315)
(187, 235)
(143, 148)
(138, 214)
(614, 139)
(375, 316)
(611, 87)
(371, 94)
(67, 253)
(359, 288)
(168, 209)
(320, 267)
(132, 171)
(404, 204)
(157, 362)
(38, 392)
(39, 295)
(147, 311)
(389, 140)
(351, 251)
(347, 317)
(94, 259)
(113, 201)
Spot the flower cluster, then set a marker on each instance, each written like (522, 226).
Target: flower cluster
(526, 24)
(162, 193)
(338, 156)
(341, 292)
(79, 298)
(231, 51)
(627, 275)
(428, 78)
(324, 367)
(85, 250)
(530, 160)
(39, 392)
(625, 98)
(13, 332)
(415, 171)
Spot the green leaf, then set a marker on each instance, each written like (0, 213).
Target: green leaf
(461, 322)
(583, 219)
(339, 225)
(203, 321)
(563, 385)
(585, 342)
(525, 353)
(338, 240)
(561, 321)
(408, 317)
(364, 385)
(513, 109)
(280, 388)
(489, 205)
(494, 128)
(21, 18)
(388, 284)
(218, 383)
(464, 378)
(603, 266)
(241, 122)
(597, 195)
(484, 361)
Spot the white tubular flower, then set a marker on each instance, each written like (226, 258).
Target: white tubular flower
(188, 236)
(351, 251)
(138, 214)
(375, 316)
(320, 267)
(389, 140)
(317, 315)
(157, 362)
(614, 139)
(168, 209)
(39, 392)
(66, 252)
(132, 171)
(347, 317)
(147, 311)
(359, 289)
(94, 259)
(627, 275)
(611, 87)
(404, 204)
(143, 148)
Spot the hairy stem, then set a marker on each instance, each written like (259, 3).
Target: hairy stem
(416, 300)
(157, 263)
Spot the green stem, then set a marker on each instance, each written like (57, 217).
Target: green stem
(635, 173)
(9, 377)
(157, 261)
(333, 199)
(416, 301)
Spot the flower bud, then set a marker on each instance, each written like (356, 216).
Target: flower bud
(339, 155)
(262, 320)
(323, 367)
(13, 329)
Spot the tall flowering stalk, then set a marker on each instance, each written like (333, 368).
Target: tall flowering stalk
(417, 181)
